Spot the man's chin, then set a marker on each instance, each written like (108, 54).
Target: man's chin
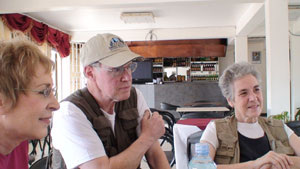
(122, 97)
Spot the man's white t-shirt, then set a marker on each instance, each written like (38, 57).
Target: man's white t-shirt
(73, 134)
(250, 130)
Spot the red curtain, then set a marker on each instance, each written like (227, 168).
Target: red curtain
(18, 21)
(39, 32)
(60, 41)
(54, 36)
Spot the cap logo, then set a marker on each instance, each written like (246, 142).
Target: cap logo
(116, 43)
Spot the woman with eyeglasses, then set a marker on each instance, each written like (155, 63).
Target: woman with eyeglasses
(26, 100)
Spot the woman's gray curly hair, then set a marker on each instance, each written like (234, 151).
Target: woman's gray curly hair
(233, 72)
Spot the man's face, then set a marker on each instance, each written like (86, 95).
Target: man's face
(248, 100)
(114, 86)
(31, 116)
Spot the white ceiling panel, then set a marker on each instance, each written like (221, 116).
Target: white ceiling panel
(173, 19)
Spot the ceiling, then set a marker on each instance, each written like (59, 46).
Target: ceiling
(181, 19)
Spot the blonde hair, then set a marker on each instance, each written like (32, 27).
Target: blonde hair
(19, 60)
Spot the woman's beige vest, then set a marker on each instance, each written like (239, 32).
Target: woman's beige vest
(228, 151)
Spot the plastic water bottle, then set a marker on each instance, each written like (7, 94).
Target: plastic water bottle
(202, 159)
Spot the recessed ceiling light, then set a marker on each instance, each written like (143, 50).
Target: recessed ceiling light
(137, 17)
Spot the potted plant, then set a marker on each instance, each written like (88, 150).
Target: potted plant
(294, 125)
(297, 116)
(284, 116)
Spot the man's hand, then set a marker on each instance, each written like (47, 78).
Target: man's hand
(152, 126)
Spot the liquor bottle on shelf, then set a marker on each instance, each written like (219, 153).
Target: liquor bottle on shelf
(157, 69)
(157, 61)
(196, 67)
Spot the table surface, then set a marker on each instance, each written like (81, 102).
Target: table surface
(201, 109)
(199, 122)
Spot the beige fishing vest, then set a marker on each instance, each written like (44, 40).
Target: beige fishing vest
(228, 151)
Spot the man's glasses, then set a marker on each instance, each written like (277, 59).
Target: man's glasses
(45, 92)
(117, 71)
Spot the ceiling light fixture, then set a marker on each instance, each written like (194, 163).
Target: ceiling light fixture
(151, 36)
(137, 17)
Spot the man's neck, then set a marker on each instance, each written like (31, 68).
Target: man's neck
(107, 107)
(106, 104)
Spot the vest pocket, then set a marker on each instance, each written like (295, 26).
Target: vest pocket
(129, 118)
(225, 153)
(130, 128)
(129, 114)
(101, 123)
(226, 150)
(281, 147)
(222, 160)
(103, 129)
(127, 125)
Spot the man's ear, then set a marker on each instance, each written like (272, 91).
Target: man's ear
(89, 72)
(230, 102)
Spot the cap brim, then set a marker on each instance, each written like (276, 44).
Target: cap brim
(119, 59)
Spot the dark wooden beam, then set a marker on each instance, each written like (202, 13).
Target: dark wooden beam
(179, 48)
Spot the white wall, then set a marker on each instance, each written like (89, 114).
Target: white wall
(295, 66)
(227, 60)
(258, 45)
(295, 69)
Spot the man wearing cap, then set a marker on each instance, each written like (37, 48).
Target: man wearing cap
(108, 124)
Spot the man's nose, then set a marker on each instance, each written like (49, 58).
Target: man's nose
(126, 75)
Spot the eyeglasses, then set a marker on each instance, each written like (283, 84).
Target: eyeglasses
(45, 92)
(117, 71)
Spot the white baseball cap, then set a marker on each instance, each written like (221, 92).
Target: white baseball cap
(108, 49)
